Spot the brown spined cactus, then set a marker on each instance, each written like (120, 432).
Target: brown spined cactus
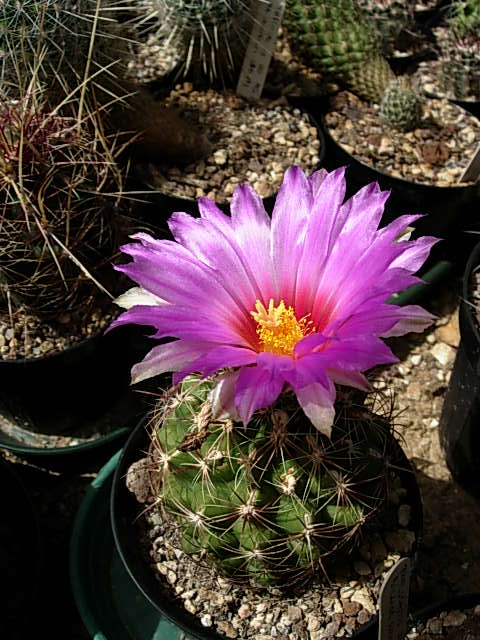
(270, 502)
(60, 192)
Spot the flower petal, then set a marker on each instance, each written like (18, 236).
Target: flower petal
(222, 397)
(256, 388)
(171, 356)
(318, 405)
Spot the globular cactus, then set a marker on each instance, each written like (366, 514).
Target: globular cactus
(271, 501)
(460, 51)
(207, 38)
(335, 37)
(57, 220)
(401, 105)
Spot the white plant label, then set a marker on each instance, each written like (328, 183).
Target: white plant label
(267, 18)
(393, 602)
(472, 172)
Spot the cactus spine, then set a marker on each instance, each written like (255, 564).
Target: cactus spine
(62, 45)
(270, 501)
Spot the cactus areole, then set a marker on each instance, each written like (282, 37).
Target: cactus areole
(298, 301)
(264, 470)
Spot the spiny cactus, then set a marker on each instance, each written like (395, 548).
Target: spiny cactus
(401, 105)
(207, 36)
(460, 51)
(62, 44)
(267, 502)
(336, 37)
(57, 221)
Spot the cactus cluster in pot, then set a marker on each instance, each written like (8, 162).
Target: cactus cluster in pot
(339, 39)
(460, 51)
(265, 469)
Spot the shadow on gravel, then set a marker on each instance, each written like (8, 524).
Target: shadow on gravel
(449, 559)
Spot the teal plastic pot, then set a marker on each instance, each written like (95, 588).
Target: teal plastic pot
(82, 393)
(109, 603)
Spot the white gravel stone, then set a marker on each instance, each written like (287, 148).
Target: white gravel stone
(443, 353)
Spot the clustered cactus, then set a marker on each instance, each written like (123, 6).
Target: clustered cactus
(460, 53)
(57, 221)
(270, 501)
(207, 37)
(337, 37)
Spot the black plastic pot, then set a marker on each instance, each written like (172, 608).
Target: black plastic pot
(125, 511)
(20, 555)
(459, 602)
(83, 392)
(460, 419)
(447, 209)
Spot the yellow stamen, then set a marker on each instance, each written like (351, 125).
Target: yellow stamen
(278, 329)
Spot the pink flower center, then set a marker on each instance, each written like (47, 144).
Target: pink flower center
(278, 329)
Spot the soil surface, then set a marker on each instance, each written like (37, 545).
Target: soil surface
(449, 559)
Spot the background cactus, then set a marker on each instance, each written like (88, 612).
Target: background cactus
(58, 221)
(62, 44)
(389, 18)
(206, 38)
(273, 499)
(460, 50)
(401, 105)
(338, 39)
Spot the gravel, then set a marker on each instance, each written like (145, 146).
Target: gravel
(456, 624)
(436, 152)
(27, 336)
(250, 143)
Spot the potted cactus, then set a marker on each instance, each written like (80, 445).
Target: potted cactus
(383, 126)
(454, 72)
(259, 468)
(62, 218)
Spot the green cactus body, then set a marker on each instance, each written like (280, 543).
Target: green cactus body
(271, 499)
(336, 37)
(207, 37)
(401, 106)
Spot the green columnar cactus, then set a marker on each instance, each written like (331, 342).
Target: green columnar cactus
(272, 499)
(208, 36)
(401, 105)
(336, 37)
(389, 18)
(57, 223)
(461, 51)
